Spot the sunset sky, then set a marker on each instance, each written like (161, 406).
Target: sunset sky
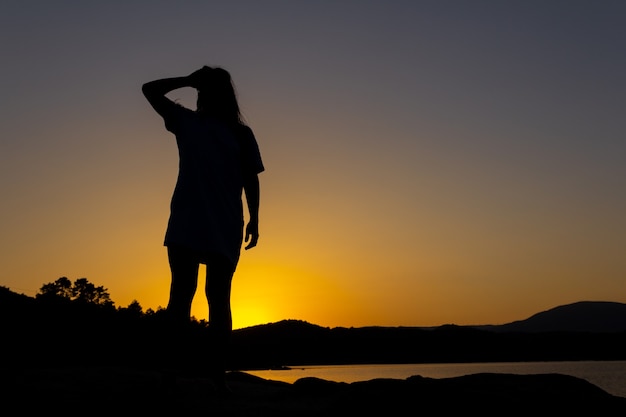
(427, 162)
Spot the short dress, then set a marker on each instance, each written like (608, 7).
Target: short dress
(206, 211)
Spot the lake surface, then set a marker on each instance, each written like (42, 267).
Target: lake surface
(608, 375)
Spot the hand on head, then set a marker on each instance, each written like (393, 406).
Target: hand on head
(200, 78)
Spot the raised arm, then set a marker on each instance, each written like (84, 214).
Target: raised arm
(252, 189)
(155, 91)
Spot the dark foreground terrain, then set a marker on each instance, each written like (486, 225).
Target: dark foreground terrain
(78, 357)
(118, 391)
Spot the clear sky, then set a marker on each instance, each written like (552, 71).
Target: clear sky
(427, 162)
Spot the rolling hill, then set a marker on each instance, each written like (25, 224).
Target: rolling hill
(583, 316)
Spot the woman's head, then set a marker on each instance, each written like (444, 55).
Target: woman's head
(216, 94)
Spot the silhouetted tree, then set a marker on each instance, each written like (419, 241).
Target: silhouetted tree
(81, 290)
(86, 292)
(134, 310)
(135, 307)
(62, 287)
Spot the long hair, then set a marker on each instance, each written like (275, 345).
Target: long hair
(217, 97)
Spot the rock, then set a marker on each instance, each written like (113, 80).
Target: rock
(111, 391)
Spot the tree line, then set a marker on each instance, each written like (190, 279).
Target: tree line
(83, 291)
(76, 323)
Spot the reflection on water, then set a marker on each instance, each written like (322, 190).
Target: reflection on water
(608, 375)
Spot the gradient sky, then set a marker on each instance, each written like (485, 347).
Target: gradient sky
(427, 162)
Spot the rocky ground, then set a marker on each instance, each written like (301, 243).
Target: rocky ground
(113, 391)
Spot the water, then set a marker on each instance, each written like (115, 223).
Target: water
(608, 375)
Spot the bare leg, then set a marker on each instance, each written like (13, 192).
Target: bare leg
(218, 284)
(184, 268)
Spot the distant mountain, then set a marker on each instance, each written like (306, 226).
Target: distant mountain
(293, 342)
(580, 331)
(583, 316)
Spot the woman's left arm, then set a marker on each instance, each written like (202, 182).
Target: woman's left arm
(252, 189)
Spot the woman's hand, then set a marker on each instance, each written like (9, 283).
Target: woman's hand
(199, 78)
(252, 234)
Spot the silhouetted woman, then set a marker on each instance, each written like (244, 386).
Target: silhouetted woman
(218, 158)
